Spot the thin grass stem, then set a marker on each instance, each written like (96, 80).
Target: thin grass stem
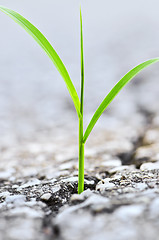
(81, 158)
(81, 144)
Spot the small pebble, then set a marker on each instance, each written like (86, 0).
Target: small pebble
(104, 185)
(56, 188)
(77, 198)
(15, 186)
(46, 196)
(149, 166)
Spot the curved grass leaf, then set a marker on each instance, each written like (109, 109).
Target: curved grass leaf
(46, 46)
(115, 90)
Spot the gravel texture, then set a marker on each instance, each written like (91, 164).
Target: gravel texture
(38, 191)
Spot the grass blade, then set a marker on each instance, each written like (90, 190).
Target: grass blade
(46, 46)
(115, 90)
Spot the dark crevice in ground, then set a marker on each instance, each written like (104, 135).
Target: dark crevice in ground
(128, 158)
(60, 199)
(60, 190)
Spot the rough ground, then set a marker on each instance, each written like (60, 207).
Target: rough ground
(38, 187)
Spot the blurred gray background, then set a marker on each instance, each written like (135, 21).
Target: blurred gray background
(117, 36)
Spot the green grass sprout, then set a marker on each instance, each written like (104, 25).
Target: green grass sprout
(81, 144)
(78, 103)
